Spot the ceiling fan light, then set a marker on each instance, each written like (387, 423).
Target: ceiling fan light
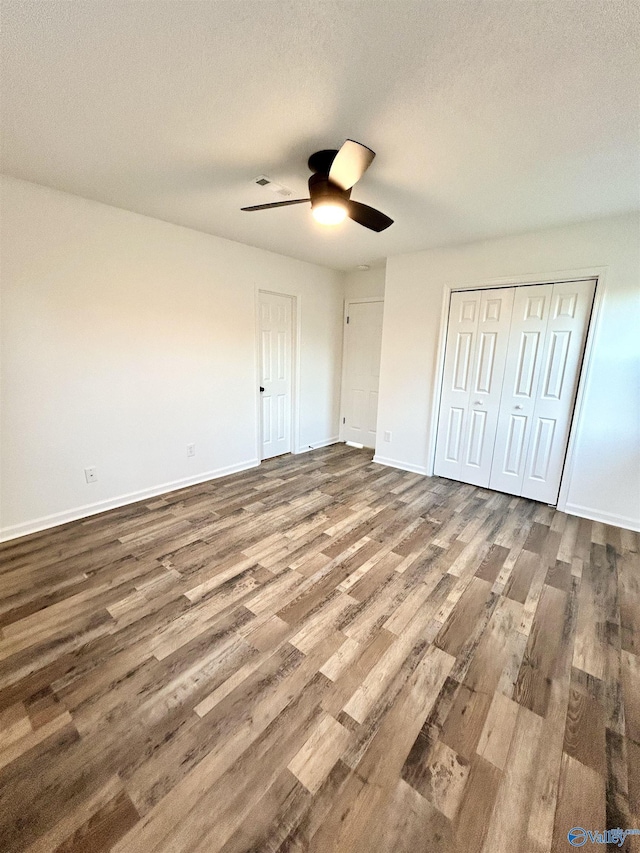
(329, 213)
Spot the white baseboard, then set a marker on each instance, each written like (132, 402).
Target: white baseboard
(403, 466)
(604, 517)
(317, 445)
(58, 518)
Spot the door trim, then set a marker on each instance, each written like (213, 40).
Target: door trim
(295, 368)
(345, 314)
(597, 273)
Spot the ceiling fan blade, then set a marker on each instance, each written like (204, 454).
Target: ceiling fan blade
(368, 216)
(350, 164)
(276, 204)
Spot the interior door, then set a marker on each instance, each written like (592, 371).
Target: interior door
(512, 364)
(275, 313)
(363, 341)
(566, 335)
(462, 330)
(529, 319)
(475, 355)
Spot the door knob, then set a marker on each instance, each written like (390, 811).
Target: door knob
(517, 407)
(478, 403)
(261, 389)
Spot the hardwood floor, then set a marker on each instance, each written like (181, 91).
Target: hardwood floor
(321, 654)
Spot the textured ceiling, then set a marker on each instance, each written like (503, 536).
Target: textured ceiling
(487, 118)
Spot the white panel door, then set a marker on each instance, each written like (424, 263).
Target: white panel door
(557, 385)
(486, 388)
(464, 310)
(512, 364)
(529, 319)
(275, 373)
(474, 367)
(363, 340)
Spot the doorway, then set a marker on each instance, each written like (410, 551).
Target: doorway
(275, 348)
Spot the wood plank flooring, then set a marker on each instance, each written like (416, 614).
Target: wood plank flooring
(321, 654)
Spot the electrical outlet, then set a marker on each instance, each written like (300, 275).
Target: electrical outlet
(191, 450)
(90, 475)
(387, 436)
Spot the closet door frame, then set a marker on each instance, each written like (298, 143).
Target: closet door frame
(597, 273)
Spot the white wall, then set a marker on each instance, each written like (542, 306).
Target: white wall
(125, 338)
(358, 284)
(605, 478)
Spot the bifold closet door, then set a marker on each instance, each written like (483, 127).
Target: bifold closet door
(546, 342)
(531, 306)
(557, 386)
(475, 356)
(512, 364)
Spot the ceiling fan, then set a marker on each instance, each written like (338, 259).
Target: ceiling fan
(334, 174)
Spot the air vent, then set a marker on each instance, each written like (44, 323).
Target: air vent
(278, 189)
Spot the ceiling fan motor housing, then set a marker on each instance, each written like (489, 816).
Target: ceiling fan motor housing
(322, 190)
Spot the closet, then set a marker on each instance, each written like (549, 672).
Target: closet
(511, 369)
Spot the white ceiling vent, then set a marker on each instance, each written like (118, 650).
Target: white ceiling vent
(267, 183)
